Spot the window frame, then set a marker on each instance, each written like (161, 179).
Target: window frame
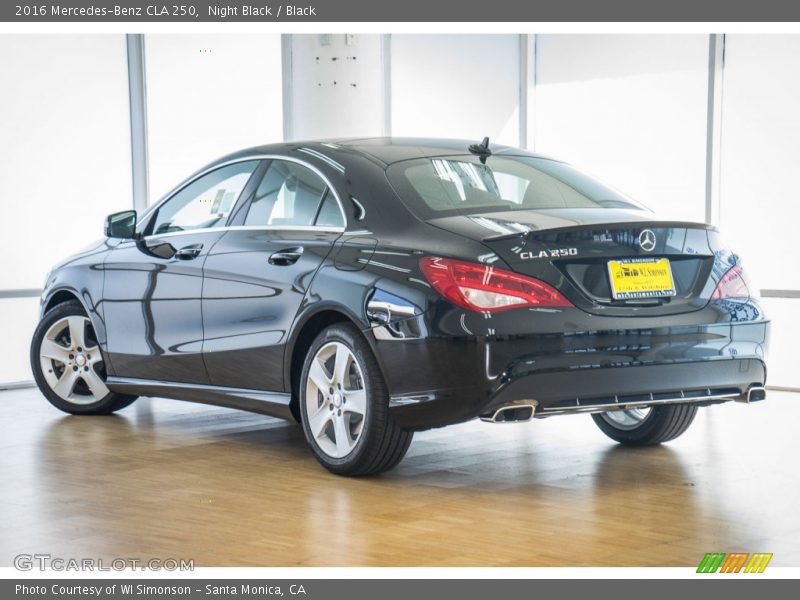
(242, 204)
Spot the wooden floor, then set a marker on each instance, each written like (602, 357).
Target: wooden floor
(168, 479)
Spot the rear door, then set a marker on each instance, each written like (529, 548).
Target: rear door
(153, 286)
(256, 276)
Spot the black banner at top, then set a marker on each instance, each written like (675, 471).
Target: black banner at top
(254, 11)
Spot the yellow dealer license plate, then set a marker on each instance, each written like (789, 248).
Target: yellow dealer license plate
(641, 278)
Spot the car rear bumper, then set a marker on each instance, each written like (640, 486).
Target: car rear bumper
(439, 381)
(704, 381)
(588, 391)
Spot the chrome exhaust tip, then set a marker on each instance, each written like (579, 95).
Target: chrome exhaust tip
(512, 413)
(755, 394)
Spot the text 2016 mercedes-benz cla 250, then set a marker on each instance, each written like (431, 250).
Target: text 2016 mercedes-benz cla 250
(376, 287)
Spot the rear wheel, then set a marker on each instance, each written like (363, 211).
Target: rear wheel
(68, 366)
(646, 426)
(344, 406)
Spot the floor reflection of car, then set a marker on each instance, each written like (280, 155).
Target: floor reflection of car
(373, 288)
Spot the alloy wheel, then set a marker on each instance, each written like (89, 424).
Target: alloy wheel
(626, 419)
(71, 361)
(336, 399)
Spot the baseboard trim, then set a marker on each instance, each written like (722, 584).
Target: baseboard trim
(16, 385)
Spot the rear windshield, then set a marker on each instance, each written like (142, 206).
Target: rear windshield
(460, 185)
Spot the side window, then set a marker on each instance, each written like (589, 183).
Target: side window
(289, 194)
(330, 215)
(206, 202)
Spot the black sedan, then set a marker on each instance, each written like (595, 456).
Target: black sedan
(371, 288)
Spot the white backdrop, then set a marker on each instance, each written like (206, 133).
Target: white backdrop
(65, 151)
(629, 109)
(456, 86)
(761, 154)
(208, 95)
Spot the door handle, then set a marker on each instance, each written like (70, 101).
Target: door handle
(189, 252)
(287, 256)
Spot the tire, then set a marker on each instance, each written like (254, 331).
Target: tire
(67, 364)
(660, 424)
(358, 438)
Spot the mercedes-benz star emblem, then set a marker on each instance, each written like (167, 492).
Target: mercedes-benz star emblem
(647, 240)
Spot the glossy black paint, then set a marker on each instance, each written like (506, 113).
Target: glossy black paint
(249, 304)
(228, 323)
(152, 308)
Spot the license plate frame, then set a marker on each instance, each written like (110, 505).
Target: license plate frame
(635, 285)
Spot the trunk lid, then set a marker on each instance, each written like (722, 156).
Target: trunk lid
(571, 248)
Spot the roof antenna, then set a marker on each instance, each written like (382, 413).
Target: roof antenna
(481, 149)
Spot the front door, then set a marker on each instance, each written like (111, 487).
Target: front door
(153, 285)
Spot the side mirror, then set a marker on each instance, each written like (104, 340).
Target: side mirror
(121, 225)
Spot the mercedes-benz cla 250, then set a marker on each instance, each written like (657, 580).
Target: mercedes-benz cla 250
(373, 288)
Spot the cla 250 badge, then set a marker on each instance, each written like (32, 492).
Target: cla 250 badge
(549, 253)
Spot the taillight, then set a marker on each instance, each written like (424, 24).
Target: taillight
(484, 288)
(732, 285)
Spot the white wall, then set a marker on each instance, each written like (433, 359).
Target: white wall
(208, 95)
(64, 163)
(630, 109)
(20, 316)
(782, 357)
(456, 86)
(760, 208)
(337, 87)
(65, 154)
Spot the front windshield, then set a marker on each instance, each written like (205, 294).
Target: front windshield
(459, 185)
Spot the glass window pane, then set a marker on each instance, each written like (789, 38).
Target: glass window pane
(289, 194)
(630, 109)
(330, 215)
(461, 185)
(206, 202)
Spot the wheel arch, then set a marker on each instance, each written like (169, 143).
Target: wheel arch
(67, 294)
(60, 297)
(305, 330)
(61, 305)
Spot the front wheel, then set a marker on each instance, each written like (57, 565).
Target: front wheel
(646, 426)
(68, 366)
(344, 406)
